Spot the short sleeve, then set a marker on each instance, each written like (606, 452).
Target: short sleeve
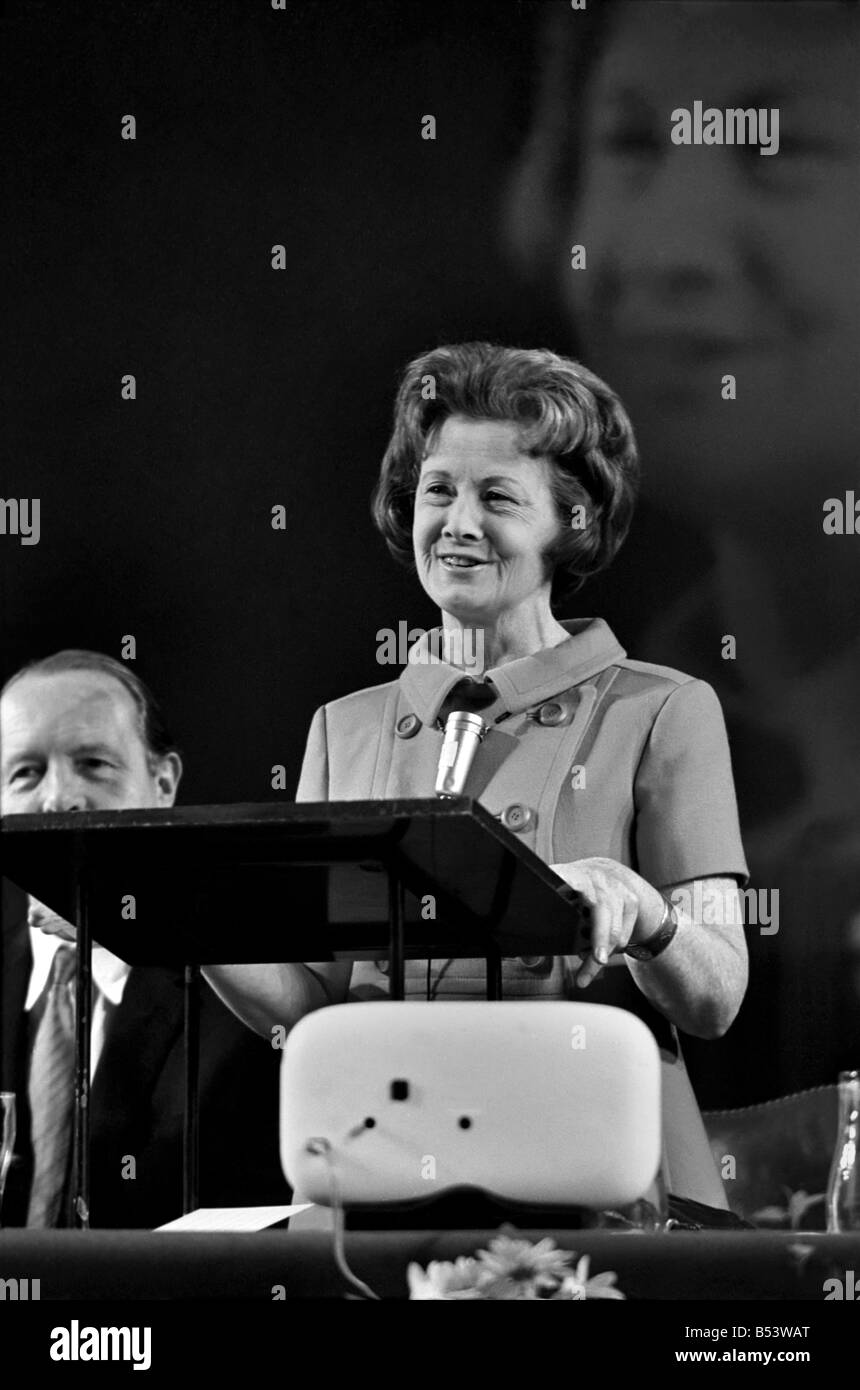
(686, 823)
(313, 782)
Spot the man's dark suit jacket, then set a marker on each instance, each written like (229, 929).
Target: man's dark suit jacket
(137, 1097)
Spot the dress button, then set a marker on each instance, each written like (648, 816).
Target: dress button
(408, 726)
(552, 713)
(517, 817)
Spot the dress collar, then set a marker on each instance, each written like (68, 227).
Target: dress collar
(590, 648)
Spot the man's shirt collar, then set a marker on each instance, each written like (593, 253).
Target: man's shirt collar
(109, 972)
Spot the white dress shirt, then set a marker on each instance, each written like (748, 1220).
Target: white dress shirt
(109, 979)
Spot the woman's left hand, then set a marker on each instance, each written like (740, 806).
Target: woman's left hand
(626, 909)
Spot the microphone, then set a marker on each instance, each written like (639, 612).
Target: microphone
(463, 733)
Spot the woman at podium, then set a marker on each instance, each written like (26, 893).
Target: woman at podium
(509, 479)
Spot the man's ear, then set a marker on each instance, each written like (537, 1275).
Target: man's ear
(167, 777)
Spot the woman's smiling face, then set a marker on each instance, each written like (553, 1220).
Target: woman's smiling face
(484, 518)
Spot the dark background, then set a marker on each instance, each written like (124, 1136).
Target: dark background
(258, 387)
(254, 387)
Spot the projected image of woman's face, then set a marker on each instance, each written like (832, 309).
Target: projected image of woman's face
(709, 260)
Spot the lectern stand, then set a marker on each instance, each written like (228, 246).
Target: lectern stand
(191, 886)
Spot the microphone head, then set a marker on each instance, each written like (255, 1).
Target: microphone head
(463, 733)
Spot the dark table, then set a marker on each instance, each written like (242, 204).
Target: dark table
(112, 1265)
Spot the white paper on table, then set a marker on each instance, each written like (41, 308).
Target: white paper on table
(232, 1218)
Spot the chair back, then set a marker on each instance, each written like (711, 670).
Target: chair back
(775, 1158)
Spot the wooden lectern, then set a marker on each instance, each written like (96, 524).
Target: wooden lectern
(205, 885)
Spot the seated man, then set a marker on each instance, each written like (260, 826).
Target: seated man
(80, 732)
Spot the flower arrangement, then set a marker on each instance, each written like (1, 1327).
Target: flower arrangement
(795, 1215)
(512, 1268)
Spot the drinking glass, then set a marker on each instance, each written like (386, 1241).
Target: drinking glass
(7, 1139)
(843, 1189)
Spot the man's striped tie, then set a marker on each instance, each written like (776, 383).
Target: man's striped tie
(51, 1087)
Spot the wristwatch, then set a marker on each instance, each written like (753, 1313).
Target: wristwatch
(656, 944)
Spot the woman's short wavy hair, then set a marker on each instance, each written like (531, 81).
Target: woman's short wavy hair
(563, 412)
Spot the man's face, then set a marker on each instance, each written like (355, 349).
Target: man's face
(708, 260)
(72, 742)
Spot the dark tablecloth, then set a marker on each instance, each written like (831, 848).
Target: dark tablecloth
(149, 1265)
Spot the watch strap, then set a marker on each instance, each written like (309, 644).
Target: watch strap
(663, 936)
